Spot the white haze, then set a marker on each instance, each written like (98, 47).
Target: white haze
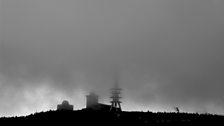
(164, 53)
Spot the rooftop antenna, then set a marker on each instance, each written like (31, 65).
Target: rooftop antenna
(116, 103)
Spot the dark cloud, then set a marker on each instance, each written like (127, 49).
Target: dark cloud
(164, 53)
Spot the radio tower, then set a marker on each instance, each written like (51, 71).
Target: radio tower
(115, 103)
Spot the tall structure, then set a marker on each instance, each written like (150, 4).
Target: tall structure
(65, 106)
(91, 100)
(116, 103)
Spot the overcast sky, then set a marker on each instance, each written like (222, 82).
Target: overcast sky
(164, 53)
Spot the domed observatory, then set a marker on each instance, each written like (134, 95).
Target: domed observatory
(65, 106)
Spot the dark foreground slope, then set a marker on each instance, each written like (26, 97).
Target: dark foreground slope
(124, 118)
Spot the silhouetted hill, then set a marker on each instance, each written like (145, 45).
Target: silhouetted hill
(83, 117)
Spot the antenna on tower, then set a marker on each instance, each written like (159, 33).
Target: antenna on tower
(116, 103)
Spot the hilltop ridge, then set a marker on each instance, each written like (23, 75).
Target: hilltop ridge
(89, 117)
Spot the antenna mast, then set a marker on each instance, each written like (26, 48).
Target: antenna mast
(116, 103)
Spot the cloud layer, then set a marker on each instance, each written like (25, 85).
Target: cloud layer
(165, 53)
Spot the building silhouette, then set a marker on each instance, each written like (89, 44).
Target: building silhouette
(91, 100)
(92, 103)
(65, 106)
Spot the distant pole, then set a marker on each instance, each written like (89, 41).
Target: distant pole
(177, 109)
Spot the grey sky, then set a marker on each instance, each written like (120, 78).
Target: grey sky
(166, 52)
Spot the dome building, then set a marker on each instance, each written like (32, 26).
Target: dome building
(65, 106)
